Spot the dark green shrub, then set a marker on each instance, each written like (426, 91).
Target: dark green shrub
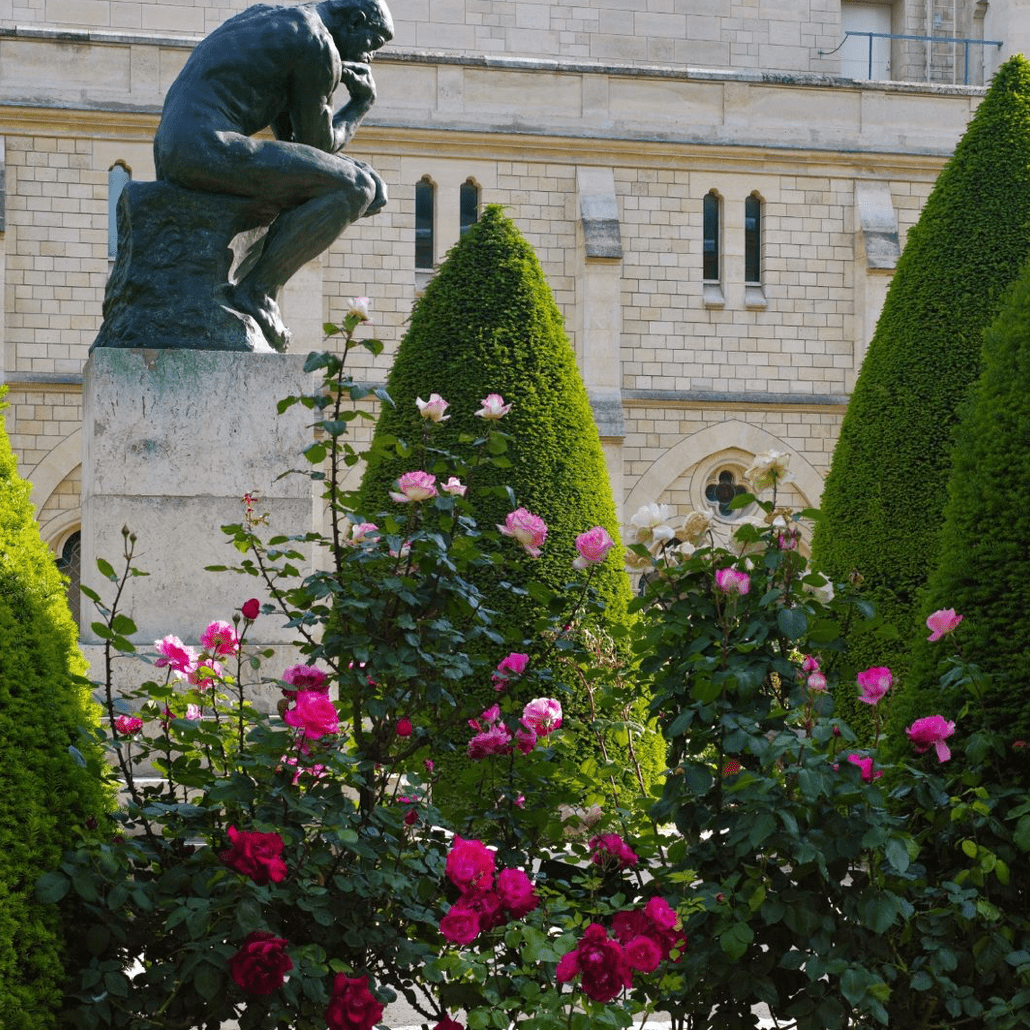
(47, 797)
(488, 323)
(885, 490)
(984, 566)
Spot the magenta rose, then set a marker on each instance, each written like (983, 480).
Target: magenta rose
(460, 925)
(313, 713)
(257, 855)
(865, 765)
(873, 684)
(610, 849)
(931, 732)
(470, 863)
(352, 1006)
(516, 891)
(260, 965)
(514, 665)
(126, 724)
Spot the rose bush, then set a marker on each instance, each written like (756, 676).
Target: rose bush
(283, 863)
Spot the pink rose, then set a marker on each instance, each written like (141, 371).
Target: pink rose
(493, 741)
(125, 724)
(455, 487)
(873, 684)
(525, 739)
(362, 533)
(313, 713)
(257, 855)
(174, 654)
(460, 925)
(433, 409)
(516, 891)
(528, 529)
(220, 640)
(493, 407)
(259, 966)
(251, 609)
(352, 1006)
(610, 848)
(941, 623)
(931, 731)
(816, 682)
(593, 547)
(514, 665)
(542, 715)
(661, 913)
(810, 664)
(413, 487)
(470, 863)
(305, 677)
(730, 581)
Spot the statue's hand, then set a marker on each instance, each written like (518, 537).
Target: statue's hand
(357, 78)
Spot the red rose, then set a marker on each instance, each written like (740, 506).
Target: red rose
(643, 953)
(602, 964)
(256, 855)
(460, 925)
(404, 727)
(352, 1006)
(258, 967)
(251, 609)
(446, 1023)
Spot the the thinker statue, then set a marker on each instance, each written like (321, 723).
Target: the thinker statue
(278, 68)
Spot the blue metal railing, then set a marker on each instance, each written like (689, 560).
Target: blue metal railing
(966, 44)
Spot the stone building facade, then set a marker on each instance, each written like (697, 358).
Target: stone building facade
(718, 191)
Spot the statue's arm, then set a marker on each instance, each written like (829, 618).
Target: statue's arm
(357, 80)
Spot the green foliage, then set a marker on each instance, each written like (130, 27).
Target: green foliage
(488, 323)
(886, 487)
(984, 567)
(50, 784)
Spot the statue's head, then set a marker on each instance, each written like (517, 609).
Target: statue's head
(358, 27)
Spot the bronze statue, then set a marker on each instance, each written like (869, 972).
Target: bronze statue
(276, 67)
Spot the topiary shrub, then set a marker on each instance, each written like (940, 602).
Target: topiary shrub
(48, 798)
(885, 490)
(488, 323)
(984, 567)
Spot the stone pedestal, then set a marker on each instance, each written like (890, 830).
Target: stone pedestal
(173, 439)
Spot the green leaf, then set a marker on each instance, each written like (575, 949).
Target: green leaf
(1021, 835)
(208, 981)
(897, 855)
(734, 940)
(792, 622)
(51, 887)
(106, 570)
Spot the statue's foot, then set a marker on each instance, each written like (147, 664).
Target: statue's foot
(265, 311)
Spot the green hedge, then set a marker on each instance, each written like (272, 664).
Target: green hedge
(46, 796)
(885, 491)
(488, 323)
(984, 566)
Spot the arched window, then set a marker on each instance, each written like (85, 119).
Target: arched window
(425, 216)
(753, 240)
(117, 176)
(724, 486)
(711, 255)
(69, 564)
(468, 205)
